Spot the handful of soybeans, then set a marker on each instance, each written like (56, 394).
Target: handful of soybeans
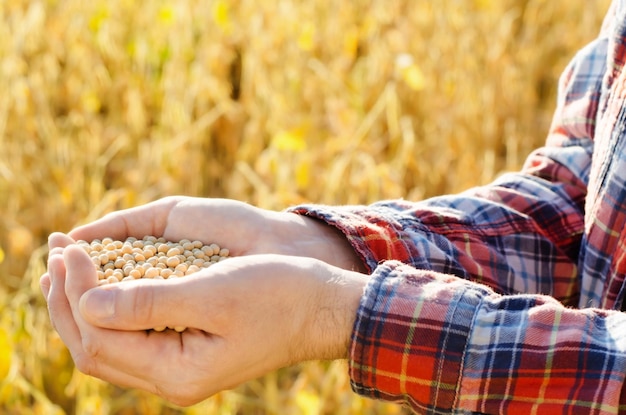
(150, 257)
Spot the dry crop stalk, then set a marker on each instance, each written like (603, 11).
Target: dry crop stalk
(150, 257)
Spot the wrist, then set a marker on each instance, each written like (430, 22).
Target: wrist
(314, 238)
(339, 300)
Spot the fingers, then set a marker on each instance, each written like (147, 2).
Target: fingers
(148, 219)
(81, 275)
(44, 285)
(89, 356)
(58, 240)
(145, 304)
(81, 338)
(58, 306)
(94, 350)
(56, 243)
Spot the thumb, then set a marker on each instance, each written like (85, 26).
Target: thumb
(137, 305)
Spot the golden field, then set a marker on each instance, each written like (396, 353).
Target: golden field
(110, 104)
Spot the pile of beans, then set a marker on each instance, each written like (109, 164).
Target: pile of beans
(150, 257)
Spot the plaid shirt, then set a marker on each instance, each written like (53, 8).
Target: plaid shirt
(506, 298)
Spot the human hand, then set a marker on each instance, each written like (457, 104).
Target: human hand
(245, 317)
(238, 226)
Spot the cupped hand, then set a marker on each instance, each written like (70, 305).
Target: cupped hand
(238, 226)
(242, 228)
(245, 317)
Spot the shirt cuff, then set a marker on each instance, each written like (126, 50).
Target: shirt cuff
(373, 232)
(410, 336)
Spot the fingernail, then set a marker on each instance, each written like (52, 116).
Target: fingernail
(99, 303)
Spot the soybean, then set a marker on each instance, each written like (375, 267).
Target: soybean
(150, 257)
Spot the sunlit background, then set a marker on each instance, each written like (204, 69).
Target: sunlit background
(110, 104)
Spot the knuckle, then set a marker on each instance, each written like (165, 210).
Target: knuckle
(85, 364)
(91, 347)
(142, 306)
(87, 359)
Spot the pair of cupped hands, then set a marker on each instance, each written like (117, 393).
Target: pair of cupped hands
(289, 294)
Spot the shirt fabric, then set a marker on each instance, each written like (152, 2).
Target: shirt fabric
(506, 298)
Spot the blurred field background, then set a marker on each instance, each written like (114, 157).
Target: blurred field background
(109, 104)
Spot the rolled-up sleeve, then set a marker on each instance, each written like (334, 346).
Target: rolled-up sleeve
(441, 344)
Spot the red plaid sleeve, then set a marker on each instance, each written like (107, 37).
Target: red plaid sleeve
(444, 345)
